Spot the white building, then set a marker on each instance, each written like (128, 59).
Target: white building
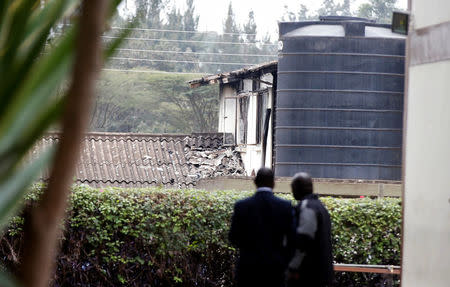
(245, 111)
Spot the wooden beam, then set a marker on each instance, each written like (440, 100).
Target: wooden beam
(367, 269)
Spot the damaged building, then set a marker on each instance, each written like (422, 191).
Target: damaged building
(146, 160)
(246, 99)
(332, 105)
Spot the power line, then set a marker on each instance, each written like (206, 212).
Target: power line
(182, 31)
(150, 71)
(184, 41)
(179, 61)
(194, 53)
(188, 41)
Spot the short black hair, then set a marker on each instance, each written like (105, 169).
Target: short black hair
(301, 185)
(264, 178)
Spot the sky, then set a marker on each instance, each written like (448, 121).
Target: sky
(267, 12)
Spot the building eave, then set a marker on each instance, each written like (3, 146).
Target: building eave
(229, 77)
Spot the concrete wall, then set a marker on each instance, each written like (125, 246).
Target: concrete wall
(331, 188)
(251, 150)
(430, 12)
(426, 235)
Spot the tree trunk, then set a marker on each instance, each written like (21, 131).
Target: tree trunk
(42, 229)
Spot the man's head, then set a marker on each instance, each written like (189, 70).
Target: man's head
(301, 185)
(264, 178)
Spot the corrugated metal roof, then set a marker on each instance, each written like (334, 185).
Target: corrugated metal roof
(141, 160)
(234, 75)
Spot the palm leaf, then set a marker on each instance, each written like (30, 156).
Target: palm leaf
(14, 188)
(6, 280)
(28, 101)
(39, 88)
(12, 31)
(32, 43)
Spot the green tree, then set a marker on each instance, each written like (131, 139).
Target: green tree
(190, 20)
(328, 7)
(345, 8)
(231, 34)
(331, 8)
(154, 102)
(365, 11)
(288, 15)
(148, 13)
(230, 27)
(250, 27)
(174, 19)
(190, 23)
(379, 10)
(302, 14)
(249, 37)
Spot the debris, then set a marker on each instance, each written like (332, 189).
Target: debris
(213, 161)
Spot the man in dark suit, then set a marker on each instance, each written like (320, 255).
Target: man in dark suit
(312, 264)
(261, 227)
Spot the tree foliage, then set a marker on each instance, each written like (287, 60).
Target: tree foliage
(153, 103)
(170, 41)
(378, 10)
(157, 237)
(250, 27)
(192, 51)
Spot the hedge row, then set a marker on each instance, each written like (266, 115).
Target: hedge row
(158, 237)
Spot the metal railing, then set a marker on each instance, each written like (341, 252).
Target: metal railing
(360, 268)
(388, 271)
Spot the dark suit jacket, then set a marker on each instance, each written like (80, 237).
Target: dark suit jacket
(261, 227)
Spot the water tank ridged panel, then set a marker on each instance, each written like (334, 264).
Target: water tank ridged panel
(339, 105)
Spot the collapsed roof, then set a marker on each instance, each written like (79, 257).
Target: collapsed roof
(144, 160)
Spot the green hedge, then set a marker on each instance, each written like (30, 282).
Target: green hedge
(158, 237)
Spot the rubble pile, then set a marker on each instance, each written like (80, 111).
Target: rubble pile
(207, 163)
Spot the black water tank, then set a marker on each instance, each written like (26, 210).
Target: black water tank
(339, 103)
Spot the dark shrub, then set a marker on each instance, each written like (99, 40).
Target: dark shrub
(157, 237)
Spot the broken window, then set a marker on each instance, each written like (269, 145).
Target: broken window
(243, 119)
(261, 103)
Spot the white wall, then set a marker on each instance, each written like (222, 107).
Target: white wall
(251, 151)
(426, 238)
(426, 234)
(227, 110)
(269, 78)
(430, 12)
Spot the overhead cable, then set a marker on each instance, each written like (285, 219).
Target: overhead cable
(150, 71)
(195, 53)
(189, 41)
(179, 61)
(182, 31)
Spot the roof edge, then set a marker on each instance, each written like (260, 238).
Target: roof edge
(228, 77)
(54, 134)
